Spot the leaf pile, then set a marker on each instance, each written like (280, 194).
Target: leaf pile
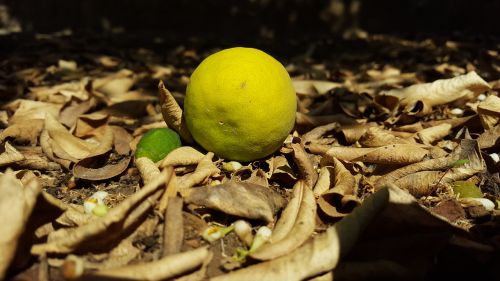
(370, 185)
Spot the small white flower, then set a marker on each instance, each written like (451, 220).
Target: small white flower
(457, 111)
(495, 157)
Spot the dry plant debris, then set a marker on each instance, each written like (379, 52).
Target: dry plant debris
(364, 188)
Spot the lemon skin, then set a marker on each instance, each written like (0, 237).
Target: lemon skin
(240, 104)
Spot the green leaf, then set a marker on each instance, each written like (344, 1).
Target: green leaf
(466, 189)
(459, 163)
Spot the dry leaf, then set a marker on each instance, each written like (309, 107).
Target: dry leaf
(121, 140)
(419, 99)
(318, 132)
(353, 133)
(306, 169)
(314, 87)
(25, 131)
(489, 112)
(310, 120)
(172, 113)
(182, 156)
(490, 138)
(341, 199)
(27, 109)
(10, 155)
(74, 109)
(173, 232)
(280, 170)
(92, 168)
(147, 168)
(17, 201)
(100, 233)
(204, 170)
(377, 137)
(432, 134)
(381, 210)
(241, 199)
(62, 93)
(162, 269)
(389, 154)
(114, 86)
(35, 159)
(294, 227)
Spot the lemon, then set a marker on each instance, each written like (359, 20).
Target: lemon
(157, 143)
(240, 104)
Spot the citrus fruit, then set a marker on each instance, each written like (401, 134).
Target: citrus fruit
(240, 104)
(157, 143)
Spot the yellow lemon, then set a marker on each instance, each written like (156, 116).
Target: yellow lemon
(240, 104)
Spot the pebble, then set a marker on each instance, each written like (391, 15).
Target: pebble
(481, 97)
(495, 157)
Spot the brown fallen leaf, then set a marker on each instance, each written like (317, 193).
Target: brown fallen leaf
(35, 159)
(115, 85)
(26, 131)
(280, 170)
(99, 234)
(490, 138)
(121, 140)
(182, 156)
(28, 109)
(377, 137)
(17, 201)
(314, 87)
(91, 168)
(388, 154)
(318, 132)
(62, 93)
(10, 155)
(306, 169)
(86, 125)
(352, 133)
(172, 113)
(161, 269)
(241, 199)
(147, 169)
(323, 252)
(432, 134)
(205, 169)
(294, 227)
(420, 98)
(74, 109)
(489, 112)
(341, 199)
(311, 120)
(423, 178)
(173, 231)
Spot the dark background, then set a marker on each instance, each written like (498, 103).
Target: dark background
(259, 18)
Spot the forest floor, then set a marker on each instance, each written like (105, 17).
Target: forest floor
(377, 181)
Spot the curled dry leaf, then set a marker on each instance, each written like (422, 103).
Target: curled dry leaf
(10, 155)
(341, 199)
(161, 269)
(102, 232)
(423, 178)
(294, 227)
(121, 140)
(421, 98)
(26, 131)
(280, 170)
(35, 159)
(115, 85)
(353, 133)
(241, 199)
(319, 255)
(66, 91)
(74, 109)
(28, 110)
(489, 112)
(433, 134)
(17, 201)
(397, 154)
(318, 132)
(172, 113)
(182, 156)
(205, 169)
(147, 169)
(173, 231)
(314, 87)
(91, 168)
(306, 169)
(490, 138)
(377, 137)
